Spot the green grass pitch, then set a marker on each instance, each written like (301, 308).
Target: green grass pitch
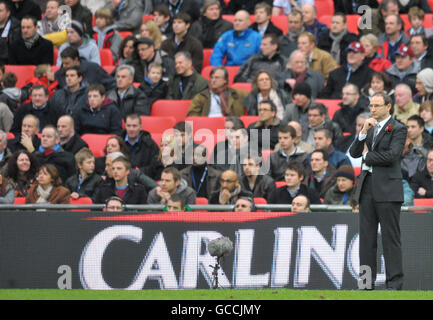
(224, 294)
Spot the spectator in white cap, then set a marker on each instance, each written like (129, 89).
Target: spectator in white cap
(424, 85)
(79, 39)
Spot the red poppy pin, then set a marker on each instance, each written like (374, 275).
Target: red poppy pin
(389, 128)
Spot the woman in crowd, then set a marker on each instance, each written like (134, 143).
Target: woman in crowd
(48, 188)
(114, 144)
(424, 85)
(7, 194)
(21, 171)
(149, 29)
(126, 49)
(170, 154)
(372, 55)
(265, 87)
(379, 82)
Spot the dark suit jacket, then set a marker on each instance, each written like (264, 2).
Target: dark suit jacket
(385, 160)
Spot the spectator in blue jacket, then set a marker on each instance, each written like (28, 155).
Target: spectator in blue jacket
(238, 44)
(98, 115)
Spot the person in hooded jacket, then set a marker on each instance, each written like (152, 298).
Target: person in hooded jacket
(10, 95)
(106, 35)
(98, 115)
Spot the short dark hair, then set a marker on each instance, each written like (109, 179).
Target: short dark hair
(318, 106)
(386, 98)
(274, 39)
(97, 87)
(162, 9)
(286, 128)
(296, 166)
(182, 15)
(418, 119)
(270, 102)
(53, 172)
(9, 80)
(70, 52)
(422, 36)
(328, 133)
(237, 122)
(39, 87)
(77, 69)
(340, 14)
(178, 198)
(183, 126)
(226, 73)
(265, 6)
(173, 171)
(323, 152)
(29, 17)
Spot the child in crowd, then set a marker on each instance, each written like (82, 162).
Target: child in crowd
(153, 86)
(105, 35)
(43, 75)
(85, 183)
(416, 19)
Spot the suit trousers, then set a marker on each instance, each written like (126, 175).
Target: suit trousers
(371, 213)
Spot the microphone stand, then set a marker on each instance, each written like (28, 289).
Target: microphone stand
(215, 273)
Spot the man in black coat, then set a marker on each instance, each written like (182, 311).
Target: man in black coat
(142, 149)
(422, 181)
(355, 71)
(128, 98)
(131, 193)
(92, 72)
(50, 152)
(40, 107)
(263, 24)
(212, 24)
(10, 30)
(27, 138)
(337, 38)
(73, 94)
(30, 48)
(69, 140)
(182, 40)
(294, 175)
(380, 190)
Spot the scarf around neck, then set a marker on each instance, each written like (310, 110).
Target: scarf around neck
(30, 41)
(43, 194)
(335, 48)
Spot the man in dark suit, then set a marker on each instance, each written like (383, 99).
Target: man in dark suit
(380, 189)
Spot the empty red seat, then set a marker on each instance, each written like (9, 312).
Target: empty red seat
(331, 104)
(10, 135)
(325, 19)
(281, 22)
(247, 120)
(125, 34)
(266, 154)
(147, 17)
(352, 22)
(24, 73)
(96, 142)
(20, 200)
(201, 201)
(106, 57)
(279, 184)
(324, 7)
(207, 53)
(157, 124)
(259, 200)
(212, 124)
(174, 108)
(81, 200)
(109, 69)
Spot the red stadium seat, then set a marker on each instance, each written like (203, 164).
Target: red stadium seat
(125, 34)
(331, 104)
(428, 19)
(20, 200)
(212, 124)
(201, 201)
(156, 137)
(54, 69)
(281, 22)
(10, 135)
(96, 142)
(81, 200)
(136, 84)
(174, 108)
(424, 202)
(23, 73)
(109, 69)
(207, 53)
(247, 120)
(245, 86)
(55, 54)
(147, 17)
(279, 184)
(324, 7)
(325, 19)
(259, 200)
(229, 17)
(106, 57)
(352, 21)
(232, 70)
(357, 171)
(266, 154)
(157, 124)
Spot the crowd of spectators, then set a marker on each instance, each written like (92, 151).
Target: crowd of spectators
(294, 152)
